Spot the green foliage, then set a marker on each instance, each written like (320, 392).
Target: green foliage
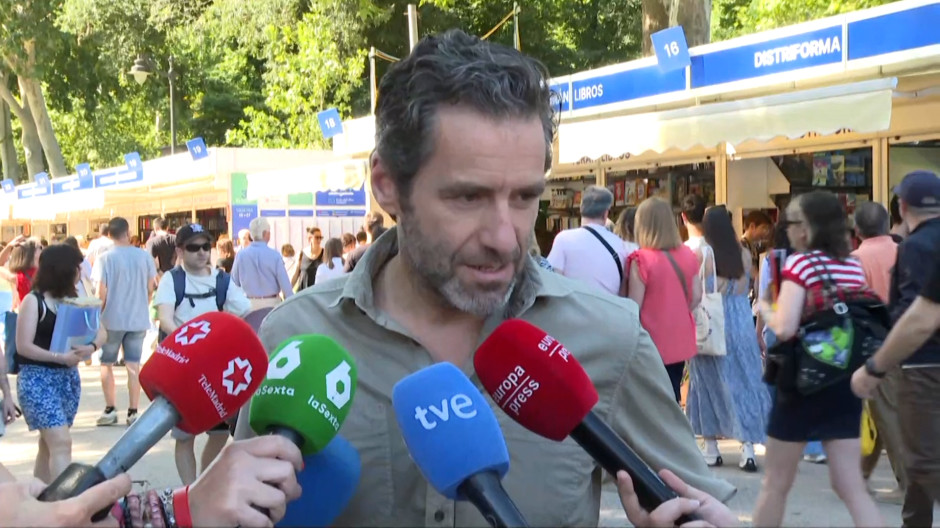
(733, 18)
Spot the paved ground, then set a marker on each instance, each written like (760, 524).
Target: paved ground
(812, 502)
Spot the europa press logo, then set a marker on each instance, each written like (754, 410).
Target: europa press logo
(192, 332)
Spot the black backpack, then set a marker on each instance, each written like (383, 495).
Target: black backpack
(220, 292)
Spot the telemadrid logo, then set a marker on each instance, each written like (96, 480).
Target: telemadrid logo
(193, 332)
(234, 383)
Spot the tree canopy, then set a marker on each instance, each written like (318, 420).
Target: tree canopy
(256, 73)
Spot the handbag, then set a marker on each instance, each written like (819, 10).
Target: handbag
(835, 341)
(709, 315)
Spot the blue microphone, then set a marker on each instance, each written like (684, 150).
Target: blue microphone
(454, 438)
(329, 481)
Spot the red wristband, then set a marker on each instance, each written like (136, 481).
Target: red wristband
(184, 518)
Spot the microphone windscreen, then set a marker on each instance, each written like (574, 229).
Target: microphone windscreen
(329, 480)
(309, 388)
(449, 429)
(534, 379)
(207, 369)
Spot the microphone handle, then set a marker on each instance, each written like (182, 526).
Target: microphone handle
(613, 454)
(486, 492)
(289, 434)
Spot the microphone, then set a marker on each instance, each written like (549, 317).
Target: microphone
(306, 394)
(455, 440)
(329, 481)
(199, 375)
(540, 385)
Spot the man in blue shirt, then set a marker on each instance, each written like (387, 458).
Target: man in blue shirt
(259, 270)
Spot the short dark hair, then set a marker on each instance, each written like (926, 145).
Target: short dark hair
(361, 236)
(895, 208)
(118, 227)
(827, 224)
(71, 241)
(453, 69)
(103, 229)
(348, 238)
(693, 207)
(159, 222)
(721, 236)
(58, 271)
(871, 220)
(758, 218)
(375, 223)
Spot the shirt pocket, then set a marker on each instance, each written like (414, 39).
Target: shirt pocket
(367, 428)
(552, 483)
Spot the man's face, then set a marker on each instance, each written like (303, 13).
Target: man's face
(467, 224)
(199, 258)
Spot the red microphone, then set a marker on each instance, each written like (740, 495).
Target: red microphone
(201, 374)
(539, 384)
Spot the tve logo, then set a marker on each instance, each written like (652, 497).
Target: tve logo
(459, 404)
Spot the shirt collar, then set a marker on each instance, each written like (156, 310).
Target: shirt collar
(533, 283)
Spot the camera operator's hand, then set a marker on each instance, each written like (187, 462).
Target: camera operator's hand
(21, 508)
(260, 472)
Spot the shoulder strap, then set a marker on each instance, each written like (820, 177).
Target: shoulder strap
(613, 253)
(179, 285)
(675, 267)
(222, 280)
(41, 301)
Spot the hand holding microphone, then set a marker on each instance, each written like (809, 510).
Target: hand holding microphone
(711, 511)
(539, 384)
(199, 375)
(20, 507)
(306, 394)
(455, 440)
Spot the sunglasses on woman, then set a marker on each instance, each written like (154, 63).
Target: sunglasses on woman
(192, 248)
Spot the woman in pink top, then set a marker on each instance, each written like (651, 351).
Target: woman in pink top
(663, 280)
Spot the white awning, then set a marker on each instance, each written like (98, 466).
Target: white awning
(861, 107)
(338, 175)
(49, 207)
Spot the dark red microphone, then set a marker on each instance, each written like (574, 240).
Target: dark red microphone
(201, 374)
(541, 385)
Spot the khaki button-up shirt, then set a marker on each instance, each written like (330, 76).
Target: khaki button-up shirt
(552, 483)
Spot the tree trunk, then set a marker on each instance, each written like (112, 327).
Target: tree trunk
(31, 91)
(695, 18)
(32, 148)
(11, 165)
(655, 18)
(693, 15)
(32, 145)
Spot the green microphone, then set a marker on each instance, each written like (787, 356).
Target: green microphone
(307, 393)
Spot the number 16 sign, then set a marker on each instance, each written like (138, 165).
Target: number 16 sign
(672, 52)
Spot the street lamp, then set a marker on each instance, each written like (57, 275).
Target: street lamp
(142, 69)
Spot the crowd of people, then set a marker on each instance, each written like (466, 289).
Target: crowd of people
(464, 133)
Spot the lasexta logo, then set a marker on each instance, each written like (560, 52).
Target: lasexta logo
(339, 385)
(285, 361)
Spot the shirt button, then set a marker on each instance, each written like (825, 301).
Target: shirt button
(439, 516)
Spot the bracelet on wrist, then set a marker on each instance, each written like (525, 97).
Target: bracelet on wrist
(168, 513)
(181, 510)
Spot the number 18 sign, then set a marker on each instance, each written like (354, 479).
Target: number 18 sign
(330, 123)
(672, 51)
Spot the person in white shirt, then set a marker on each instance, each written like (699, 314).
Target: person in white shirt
(200, 295)
(100, 245)
(591, 253)
(333, 265)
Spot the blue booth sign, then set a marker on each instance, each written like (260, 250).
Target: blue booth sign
(622, 86)
(132, 160)
(84, 175)
(197, 148)
(346, 198)
(273, 213)
(107, 179)
(561, 96)
(242, 215)
(300, 212)
(75, 183)
(813, 48)
(892, 32)
(672, 51)
(9, 186)
(41, 178)
(33, 190)
(330, 123)
(341, 213)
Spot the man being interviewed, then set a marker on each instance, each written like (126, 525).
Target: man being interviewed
(464, 129)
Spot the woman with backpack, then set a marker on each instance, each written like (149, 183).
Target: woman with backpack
(48, 385)
(818, 280)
